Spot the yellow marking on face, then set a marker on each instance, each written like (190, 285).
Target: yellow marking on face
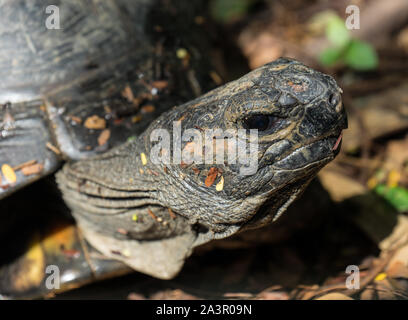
(220, 185)
(143, 158)
(279, 67)
(280, 134)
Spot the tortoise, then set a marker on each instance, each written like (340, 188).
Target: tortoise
(95, 94)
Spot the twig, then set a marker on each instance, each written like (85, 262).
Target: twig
(24, 164)
(368, 279)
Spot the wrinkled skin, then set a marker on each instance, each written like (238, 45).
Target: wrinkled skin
(106, 193)
(104, 50)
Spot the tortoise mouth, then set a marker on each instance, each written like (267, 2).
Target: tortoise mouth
(316, 150)
(300, 171)
(278, 201)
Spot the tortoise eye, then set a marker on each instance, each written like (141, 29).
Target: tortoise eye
(260, 121)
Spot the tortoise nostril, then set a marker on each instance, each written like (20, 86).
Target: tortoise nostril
(339, 107)
(334, 99)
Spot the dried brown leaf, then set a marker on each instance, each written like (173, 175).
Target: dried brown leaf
(104, 137)
(32, 169)
(148, 108)
(128, 94)
(95, 122)
(160, 84)
(211, 176)
(76, 119)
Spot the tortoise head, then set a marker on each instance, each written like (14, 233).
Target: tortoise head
(232, 159)
(257, 140)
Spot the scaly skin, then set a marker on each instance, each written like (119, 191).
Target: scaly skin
(105, 61)
(104, 48)
(106, 192)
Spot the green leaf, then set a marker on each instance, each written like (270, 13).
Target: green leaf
(397, 196)
(320, 20)
(227, 10)
(361, 56)
(337, 32)
(330, 56)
